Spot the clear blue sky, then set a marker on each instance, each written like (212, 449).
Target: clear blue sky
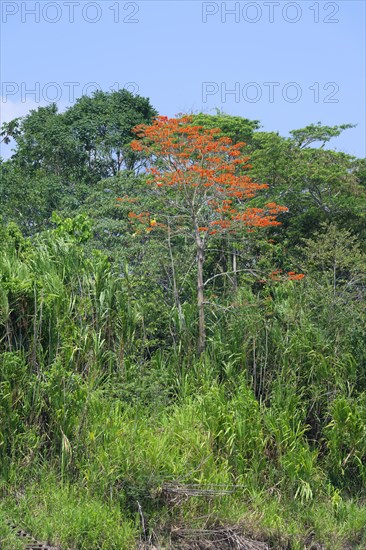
(187, 56)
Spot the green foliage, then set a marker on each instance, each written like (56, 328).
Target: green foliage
(237, 128)
(77, 518)
(28, 200)
(58, 156)
(317, 133)
(316, 185)
(88, 142)
(77, 229)
(345, 440)
(102, 125)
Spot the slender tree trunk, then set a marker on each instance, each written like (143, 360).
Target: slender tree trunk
(235, 277)
(200, 298)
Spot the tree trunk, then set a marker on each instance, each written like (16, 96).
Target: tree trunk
(200, 298)
(235, 277)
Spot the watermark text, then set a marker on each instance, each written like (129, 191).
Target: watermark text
(51, 92)
(53, 12)
(269, 12)
(270, 92)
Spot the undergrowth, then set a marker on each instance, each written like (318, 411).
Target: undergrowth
(114, 433)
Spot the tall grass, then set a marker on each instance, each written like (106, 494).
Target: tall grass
(274, 410)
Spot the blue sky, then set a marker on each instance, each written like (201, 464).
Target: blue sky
(287, 64)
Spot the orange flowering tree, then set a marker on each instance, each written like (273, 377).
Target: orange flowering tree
(203, 180)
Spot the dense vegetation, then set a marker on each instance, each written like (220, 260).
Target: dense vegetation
(115, 428)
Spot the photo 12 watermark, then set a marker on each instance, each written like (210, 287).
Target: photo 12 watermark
(270, 12)
(71, 12)
(270, 92)
(52, 92)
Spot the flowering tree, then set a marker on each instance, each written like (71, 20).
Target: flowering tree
(203, 180)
